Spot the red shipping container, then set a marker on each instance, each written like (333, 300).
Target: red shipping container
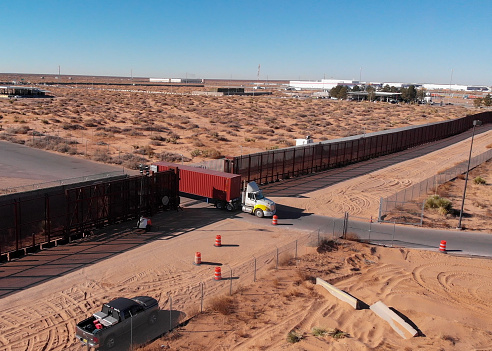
(204, 182)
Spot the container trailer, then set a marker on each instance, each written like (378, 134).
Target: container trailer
(225, 190)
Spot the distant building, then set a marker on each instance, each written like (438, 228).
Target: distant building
(176, 80)
(323, 84)
(16, 91)
(327, 84)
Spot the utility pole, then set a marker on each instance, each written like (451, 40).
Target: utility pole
(475, 123)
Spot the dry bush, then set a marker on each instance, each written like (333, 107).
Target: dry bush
(352, 237)
(172, 157)
(222, 304)
(285, 259)
(292, 292)
(327, 245)
(130, 161)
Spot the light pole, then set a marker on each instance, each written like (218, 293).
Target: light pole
(476, 122)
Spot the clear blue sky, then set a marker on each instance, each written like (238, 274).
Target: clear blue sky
(411, 41)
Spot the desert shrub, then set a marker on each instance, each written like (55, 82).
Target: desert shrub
(102, 155)
(352, 237)
(53, 143)
(222, 304)
(19, 130)
(211, 153)
(172, 157)
(131, 132)
(130, 161)
(479, 180)
(442, 204)
(72, 126)
(11, 138)
(145, 150)
(337, 334)
(157, 138)
(327, 245)
(317, 331)
(294, 336)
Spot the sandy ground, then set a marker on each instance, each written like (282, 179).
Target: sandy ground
(44, 317)
(447, 298)
(477, 213)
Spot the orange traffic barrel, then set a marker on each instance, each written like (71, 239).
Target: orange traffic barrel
(218, 241)
(274, 219)
(442, 246)
(198, 258)
(218, 273)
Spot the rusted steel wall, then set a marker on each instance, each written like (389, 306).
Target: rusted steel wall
(63, 213)
(280, 164)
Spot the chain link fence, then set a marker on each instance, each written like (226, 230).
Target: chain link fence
(403, 198)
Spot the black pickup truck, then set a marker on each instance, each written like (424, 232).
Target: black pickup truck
(116, 318)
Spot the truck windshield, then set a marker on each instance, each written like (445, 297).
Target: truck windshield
(259, 195)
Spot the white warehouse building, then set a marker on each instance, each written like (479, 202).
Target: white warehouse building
(176, 80)
(327, 84)
(323, 84)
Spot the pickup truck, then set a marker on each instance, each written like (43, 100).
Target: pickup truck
(117, 317)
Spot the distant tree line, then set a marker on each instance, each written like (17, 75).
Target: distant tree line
(410, 94)
(485, 101)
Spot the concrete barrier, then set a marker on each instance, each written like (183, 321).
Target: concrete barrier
(339, 294)
(405, 330)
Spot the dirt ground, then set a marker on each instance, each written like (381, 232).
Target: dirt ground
(446, 297)
(111, 124)
(477, 213)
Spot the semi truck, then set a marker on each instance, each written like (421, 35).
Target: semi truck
(224, 190)
(116, 318)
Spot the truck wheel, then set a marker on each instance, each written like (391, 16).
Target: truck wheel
(229, 207)
(259, 213)
(152, 319)
(220, 205)
(110, 341)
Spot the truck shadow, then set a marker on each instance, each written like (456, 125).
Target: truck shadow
(167, 320)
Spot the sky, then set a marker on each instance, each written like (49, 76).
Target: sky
(419, 41)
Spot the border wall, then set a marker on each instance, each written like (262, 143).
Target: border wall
(274, 165)
(46, 216)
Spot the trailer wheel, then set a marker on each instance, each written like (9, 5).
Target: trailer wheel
(219, 205)
(229, 207)
(259, 213)
(110, 341)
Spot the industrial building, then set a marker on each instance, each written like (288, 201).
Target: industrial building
(16, 91)
(176, 80)
(327, 84)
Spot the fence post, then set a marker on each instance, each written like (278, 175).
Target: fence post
(254, 278)
(170, 313)
(201, 302)
(422, 214)
(295, 257)
(380, 208)
(276, 265)
(370, 223)
(394, 230)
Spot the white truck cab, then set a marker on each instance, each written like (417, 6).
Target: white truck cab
(254, 202)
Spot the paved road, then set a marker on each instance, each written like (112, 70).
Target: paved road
(21, 162)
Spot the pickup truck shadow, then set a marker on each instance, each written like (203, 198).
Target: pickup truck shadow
(167, 320)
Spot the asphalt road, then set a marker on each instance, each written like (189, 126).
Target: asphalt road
(21, 162)
(457, 242)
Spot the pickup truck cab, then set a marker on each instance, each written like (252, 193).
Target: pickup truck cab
(116, 318)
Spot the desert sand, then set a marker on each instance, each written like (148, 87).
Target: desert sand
(446, 297)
